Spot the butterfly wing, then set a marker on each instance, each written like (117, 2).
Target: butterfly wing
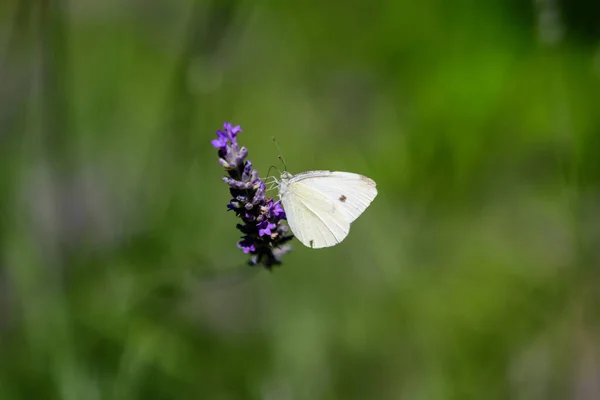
(350, 193)
(313, 217)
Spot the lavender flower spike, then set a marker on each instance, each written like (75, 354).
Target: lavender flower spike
(264, 234)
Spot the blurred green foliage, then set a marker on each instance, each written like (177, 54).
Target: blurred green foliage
(473, 275)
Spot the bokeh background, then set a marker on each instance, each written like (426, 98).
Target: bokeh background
(473, 275)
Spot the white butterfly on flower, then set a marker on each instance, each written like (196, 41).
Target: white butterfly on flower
(321, 205)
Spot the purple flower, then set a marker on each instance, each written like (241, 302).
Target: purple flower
(229, 134)
(264, 233)
(247, 245)
(264, 228)
(231, 155)
(221, 141)
(276, 209)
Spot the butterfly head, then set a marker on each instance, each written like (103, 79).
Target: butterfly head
(283, 182)
(286, 176)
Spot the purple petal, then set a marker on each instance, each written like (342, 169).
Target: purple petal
(264, 228)
(222, 134)
(232, 131)
(235, 130)
(276, 209)
(247, 245)
(219, 143)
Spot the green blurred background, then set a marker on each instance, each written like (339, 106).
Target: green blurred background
(473, 275)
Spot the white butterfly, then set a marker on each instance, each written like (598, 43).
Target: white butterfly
(321, 205)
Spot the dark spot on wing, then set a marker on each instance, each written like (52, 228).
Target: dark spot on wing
(311, 243)
(343, 198)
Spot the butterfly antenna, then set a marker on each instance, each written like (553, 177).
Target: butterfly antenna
(280, 156)
(269, 171)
